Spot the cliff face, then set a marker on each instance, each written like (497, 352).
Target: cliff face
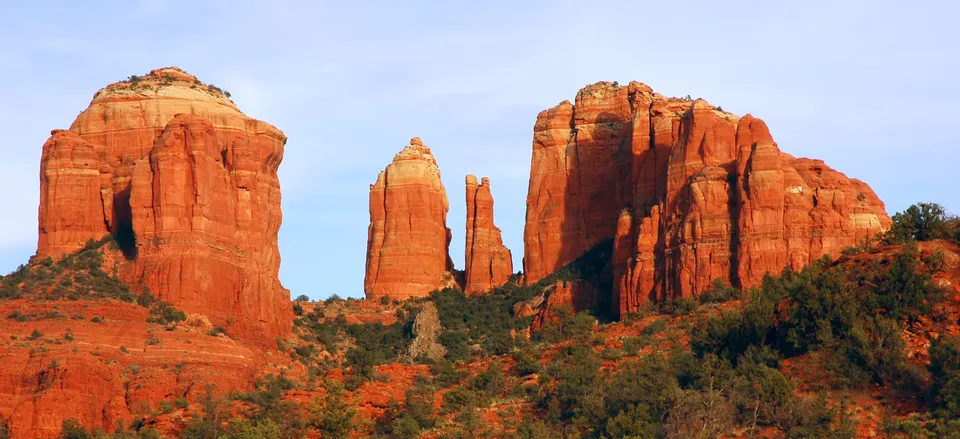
(408, 239)
(689, 193)
(488, 262)
(187, 184)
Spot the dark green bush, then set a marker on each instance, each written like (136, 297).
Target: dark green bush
(679, 306)
(719, 291)
(945, 371)
(73, 429)
(922, 222)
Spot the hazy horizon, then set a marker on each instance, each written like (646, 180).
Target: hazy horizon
(868, 87)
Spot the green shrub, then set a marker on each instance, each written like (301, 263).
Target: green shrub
(634, 422)
(565, 326)
(240, 428)
(265, 403)
(334, 416)
(679, 306)
(73, 429)
(612, 354)
(527, 361)
(534, 429)
(945, 372)
(361, 362)
(420, 403)
(922, 222)
(166, 407)
(445, 374)
(719, 291)
(657, 326)
(575, 389)
(306, 351)
(633, 345)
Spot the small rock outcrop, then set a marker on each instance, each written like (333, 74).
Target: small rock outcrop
(408, 240)
(187, 185)
(426, 330)
(688, 193)
(489, 263)
(563, 300)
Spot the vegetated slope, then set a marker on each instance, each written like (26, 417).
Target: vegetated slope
(75, 342)
(864, 346)
(839, 349)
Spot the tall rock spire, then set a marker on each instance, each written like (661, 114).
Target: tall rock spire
(408, 239)
(488, 262)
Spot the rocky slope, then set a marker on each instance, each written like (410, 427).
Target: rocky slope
(688, 192)
(408, 239)
(101, 362)
(186, 183)
(489, 263)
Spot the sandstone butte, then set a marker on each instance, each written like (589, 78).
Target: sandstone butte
(187, 184)
(489, 263)
(688, 193)
(408, 240)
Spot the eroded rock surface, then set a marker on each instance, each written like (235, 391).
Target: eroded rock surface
(408, 239)
(688, 192)
(488, 262)
(188, 186)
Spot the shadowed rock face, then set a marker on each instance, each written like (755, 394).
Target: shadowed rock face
(188, 186)
(408, 239)
(689, 193)
(488, 262)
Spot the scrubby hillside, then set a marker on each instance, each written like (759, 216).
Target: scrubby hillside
(867, 345)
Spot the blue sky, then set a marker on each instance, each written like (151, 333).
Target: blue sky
(869, 86)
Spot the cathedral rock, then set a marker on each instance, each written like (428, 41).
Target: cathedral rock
(408, 240)
(688, 193)
(187, 185)
(488, 263)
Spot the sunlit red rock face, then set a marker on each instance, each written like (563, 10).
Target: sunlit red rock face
(187, 184)
(564, 297)
(116, 370)
(488, 262)
(408, 239)
(688, 192)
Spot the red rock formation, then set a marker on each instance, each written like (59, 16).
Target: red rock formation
(687, 192)
(71, 210)
(564, 298)
(408, 239)
(488, 262)
(193, 200)
(116, 370)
